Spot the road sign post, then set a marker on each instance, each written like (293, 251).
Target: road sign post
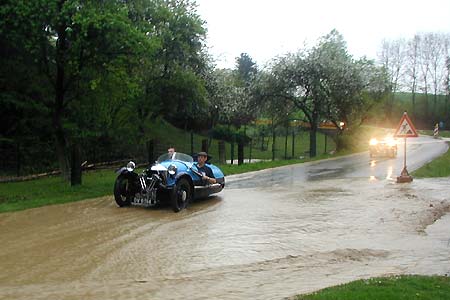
(436, 131)
(405, 129)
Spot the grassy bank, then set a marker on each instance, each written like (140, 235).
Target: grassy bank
(389, 288)
(53, 190)
(439, 167)
(235, 169)
(442, 133)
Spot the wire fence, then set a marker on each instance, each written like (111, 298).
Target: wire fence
(29, 157)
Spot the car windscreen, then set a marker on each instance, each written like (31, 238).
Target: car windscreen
(175, 156)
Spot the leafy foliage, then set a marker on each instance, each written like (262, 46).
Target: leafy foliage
(86, 71)
(324, 82)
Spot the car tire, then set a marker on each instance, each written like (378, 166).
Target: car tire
(122, 193)
(181, 195)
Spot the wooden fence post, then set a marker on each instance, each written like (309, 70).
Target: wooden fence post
(75, 170)
(152, 145)
(205, 145)
(232, 152)
(222, 158)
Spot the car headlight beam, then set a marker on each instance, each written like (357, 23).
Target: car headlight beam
(373, 142)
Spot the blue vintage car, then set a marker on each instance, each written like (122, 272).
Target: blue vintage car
(173, 177)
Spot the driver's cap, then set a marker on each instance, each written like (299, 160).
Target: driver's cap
(202, 154)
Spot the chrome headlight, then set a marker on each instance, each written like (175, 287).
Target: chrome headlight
(172, 170)
(373, 142)
(131, 166)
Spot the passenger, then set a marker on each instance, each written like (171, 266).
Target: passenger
(208, 176)
(171, 151)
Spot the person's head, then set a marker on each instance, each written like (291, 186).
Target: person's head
(171, 150)
(202, 157)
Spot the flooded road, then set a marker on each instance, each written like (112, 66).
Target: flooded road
(269, 235)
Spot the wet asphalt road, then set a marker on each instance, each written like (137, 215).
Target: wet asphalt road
(418, 152)
(269, 235)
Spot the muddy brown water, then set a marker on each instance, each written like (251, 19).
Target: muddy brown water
(265, 243)
(271, 238)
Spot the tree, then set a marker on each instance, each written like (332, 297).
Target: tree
(75, 45)
(436, 47)
(447, 77)
(325, 83)
(231, 93)
(423, 71)
(392, 58)
(228, 99)
(412, 65)
(173, 83)
(246, 69)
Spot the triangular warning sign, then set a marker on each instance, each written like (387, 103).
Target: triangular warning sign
(405, 128)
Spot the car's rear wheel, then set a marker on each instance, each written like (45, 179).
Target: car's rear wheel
(181, 195)
(122, 191)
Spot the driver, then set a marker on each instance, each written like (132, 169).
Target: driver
(208, 176)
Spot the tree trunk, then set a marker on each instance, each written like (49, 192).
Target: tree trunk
(250, 151)
(273, 143)
(286, 142)
(312, 135)
(232, 152)
(413, 92)
(192, 143)
(61, 154)
(448, 109)
(312, 142)
(293, 144)
(240, 153)
(58, 109)
(75, 170)
(18, 160)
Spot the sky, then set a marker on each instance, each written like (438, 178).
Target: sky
(265, 29)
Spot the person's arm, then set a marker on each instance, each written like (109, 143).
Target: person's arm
(211, 180)
(210, 176)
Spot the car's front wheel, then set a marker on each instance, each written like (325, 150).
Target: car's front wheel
(181, 195)
(122, 191)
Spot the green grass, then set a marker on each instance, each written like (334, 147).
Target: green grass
(261, 165)
(442, 133)
(439, 167)
(388, 288)
(53, 190)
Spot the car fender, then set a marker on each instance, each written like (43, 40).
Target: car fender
(128, 174)
(121, 170)
(184, 175)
